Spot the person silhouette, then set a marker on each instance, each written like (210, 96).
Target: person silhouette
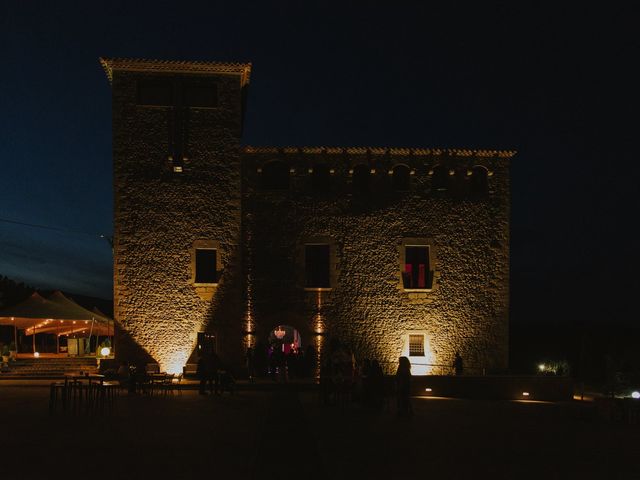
(403, 387)
(458, 365)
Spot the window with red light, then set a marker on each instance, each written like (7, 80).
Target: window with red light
(417, 270)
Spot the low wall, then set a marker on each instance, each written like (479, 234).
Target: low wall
(549, 388)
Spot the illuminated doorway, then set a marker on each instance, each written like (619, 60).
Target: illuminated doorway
(286, 357)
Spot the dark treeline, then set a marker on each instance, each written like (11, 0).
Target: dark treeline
(593, 350)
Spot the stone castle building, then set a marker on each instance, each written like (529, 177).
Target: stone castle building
(395, 251)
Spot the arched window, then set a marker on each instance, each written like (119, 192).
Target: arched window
(479, 183)
(401, 175)
(275, 176)
(320, 178)
(439, 179)
(361, 174)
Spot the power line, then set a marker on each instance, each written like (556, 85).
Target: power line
(108, 238)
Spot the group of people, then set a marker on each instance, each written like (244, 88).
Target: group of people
(281, 362)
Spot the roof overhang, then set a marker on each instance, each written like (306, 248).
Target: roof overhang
(243, 70)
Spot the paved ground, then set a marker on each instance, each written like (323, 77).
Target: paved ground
(283, 433)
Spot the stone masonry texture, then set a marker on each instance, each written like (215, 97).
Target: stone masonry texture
(220, 199)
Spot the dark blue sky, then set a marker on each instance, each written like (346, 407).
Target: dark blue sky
(554, 82)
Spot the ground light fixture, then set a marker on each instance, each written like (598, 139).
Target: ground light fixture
(36, 354)
(635, 394)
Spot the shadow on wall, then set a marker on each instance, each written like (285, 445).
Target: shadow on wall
(127, 349)
(224, 314)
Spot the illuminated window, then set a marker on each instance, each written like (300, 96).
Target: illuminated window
(206, 265)
(275, 176)
(317, 260)
(360, 182)
(157, 93)
(201, 95)
(417, 273)
(416, 345)
(401, 175)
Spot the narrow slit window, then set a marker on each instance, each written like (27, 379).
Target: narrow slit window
(206, 265)
(440, 179)
(317, 266)
(320, 178)
(361, 177)
(401, 178)
(416, 345)
(417, 271)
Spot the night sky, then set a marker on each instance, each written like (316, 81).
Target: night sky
(553, 82)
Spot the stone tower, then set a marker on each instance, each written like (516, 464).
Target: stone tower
(177, 192)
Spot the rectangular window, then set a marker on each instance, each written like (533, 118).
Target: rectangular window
(317, 259)
(206, 266)
(201, 96)
(417, 271)
(416, 345)
(156, 93)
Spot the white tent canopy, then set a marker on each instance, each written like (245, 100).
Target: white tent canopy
(57, 315)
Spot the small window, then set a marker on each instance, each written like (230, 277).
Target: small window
(361, 174)
(439, 179)
(479, 184)
(275, 176)
(417, 271)
(320, 178)
(401, 175)
(201, 96)
(206, 265)
(416, 345)
(317, 258)
(156, 93)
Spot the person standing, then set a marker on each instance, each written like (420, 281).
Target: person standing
(251, 364)
(202, 374)
(403, 387)
(458, 365)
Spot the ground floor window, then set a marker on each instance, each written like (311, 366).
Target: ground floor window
(416, 345)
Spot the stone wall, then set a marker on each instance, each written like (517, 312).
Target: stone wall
(218, 199)
(467, 309)
(161, 215)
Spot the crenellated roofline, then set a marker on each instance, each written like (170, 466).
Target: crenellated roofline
(381, 151)
(243, 70)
